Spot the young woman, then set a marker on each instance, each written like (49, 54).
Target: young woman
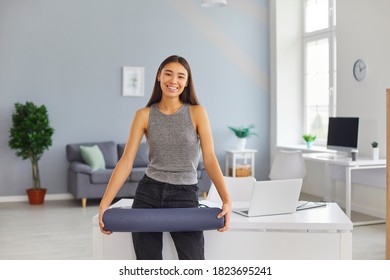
(174, 123)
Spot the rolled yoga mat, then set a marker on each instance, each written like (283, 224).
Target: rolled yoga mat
(162, 219)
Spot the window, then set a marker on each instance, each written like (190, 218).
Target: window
(319, 41)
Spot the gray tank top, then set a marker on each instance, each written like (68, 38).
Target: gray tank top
(173, 147)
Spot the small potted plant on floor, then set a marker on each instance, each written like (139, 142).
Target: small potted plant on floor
(242, 133)
(30, 135)
(309, 140)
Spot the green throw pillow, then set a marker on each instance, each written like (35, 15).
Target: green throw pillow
(93, 156)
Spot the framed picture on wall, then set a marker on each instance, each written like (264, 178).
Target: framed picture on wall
(133, 81)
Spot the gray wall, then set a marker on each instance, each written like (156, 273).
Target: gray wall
(68, 55)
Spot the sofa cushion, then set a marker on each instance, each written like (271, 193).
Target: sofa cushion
(101, 176)
(108, 149)
(141, 158)
(121, 149)
(93, 156)
(80, 167)
(137, 173)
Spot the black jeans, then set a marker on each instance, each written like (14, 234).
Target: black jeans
(154, 194)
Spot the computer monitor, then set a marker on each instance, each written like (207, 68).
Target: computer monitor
(343, 133)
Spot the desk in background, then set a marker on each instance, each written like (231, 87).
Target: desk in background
(323, 233)
(348, 166)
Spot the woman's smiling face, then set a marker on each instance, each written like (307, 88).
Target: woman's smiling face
(173, 79)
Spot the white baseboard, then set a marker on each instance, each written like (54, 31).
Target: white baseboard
(369, 211)
(364, 210)
(20, 198)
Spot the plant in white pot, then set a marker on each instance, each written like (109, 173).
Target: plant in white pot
(242, 133)
(375, 150)
(30, 135)
(309, 140)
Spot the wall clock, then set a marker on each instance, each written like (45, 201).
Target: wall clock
(359, 69)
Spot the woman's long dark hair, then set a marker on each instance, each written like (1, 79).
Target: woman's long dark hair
(187, 96)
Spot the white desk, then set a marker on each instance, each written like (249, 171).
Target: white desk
(349, 166)
(319, 233)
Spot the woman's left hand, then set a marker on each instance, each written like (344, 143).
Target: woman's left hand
(226, 209)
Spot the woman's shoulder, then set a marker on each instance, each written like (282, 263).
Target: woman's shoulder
(198, 113)
(143, 113)
(197, 109)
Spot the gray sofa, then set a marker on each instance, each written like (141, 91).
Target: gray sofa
(85, 184)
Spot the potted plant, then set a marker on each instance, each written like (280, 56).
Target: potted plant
(375, 150)
(309, 139)
(242, 133)
(30, 135)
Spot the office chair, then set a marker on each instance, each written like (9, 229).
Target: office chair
(288, 165)
(239, 188)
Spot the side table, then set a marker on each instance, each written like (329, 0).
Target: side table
(240, 163)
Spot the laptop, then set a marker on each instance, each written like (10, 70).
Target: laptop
(273, 197)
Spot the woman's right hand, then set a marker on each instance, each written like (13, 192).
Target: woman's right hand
(101, 224)
(226, 209)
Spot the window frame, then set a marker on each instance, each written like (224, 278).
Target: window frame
(330, 34)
